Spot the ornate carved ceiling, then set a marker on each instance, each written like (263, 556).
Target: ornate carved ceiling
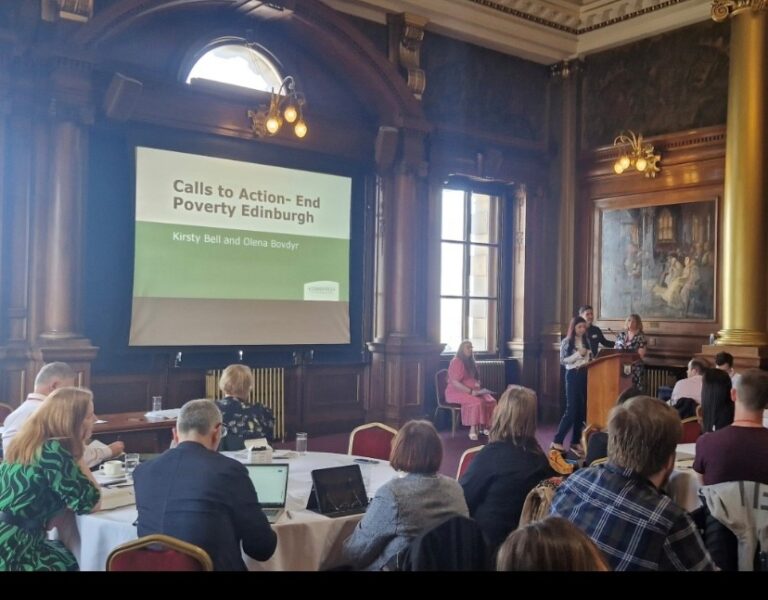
(545, 31)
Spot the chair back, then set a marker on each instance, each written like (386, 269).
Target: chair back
(373, 440)
(691, 430)
(456, 544)
(158, 552)
(466, 459)
(441, 381)
(538, 501)
(5, 410)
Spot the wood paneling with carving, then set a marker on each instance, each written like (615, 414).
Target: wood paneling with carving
(333, 398)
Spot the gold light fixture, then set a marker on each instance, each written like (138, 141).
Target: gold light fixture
(285, 106)
(634, 153)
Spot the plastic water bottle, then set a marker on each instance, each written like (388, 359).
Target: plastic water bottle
(711, 339)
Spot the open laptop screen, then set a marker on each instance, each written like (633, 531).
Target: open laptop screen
(271, 483)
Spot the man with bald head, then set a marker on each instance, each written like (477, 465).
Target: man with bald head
(52, 377)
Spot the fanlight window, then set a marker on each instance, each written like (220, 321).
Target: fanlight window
(237, 64)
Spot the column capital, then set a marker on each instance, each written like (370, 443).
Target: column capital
(722, 9)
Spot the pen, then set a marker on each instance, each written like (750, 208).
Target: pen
(288, 514)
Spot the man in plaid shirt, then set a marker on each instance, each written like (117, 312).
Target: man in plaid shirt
(620, 505)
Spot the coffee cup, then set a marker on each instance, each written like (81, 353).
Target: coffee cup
(112, 468)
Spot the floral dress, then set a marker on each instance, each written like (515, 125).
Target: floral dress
(245, 421)
(35, 493)
(638, 341)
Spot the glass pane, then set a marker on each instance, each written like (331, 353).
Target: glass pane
(484, 219)
(482, 325)
(482, 271)
(452, 269)
(453, 215)
(239, 65)
(450, 323)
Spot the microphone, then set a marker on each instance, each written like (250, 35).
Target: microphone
(240, 355)
(177, 361)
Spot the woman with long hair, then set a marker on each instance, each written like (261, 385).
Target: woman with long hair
(717, 407)
(633, 338)
(504, 471)
(43, 474)
(574, 354)
(464, 388)
(405, 506)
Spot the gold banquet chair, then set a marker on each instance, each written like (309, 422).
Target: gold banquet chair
(441, 381)
(158, 552)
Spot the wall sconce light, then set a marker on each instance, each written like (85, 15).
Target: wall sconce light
(635, 154)
(285, 106)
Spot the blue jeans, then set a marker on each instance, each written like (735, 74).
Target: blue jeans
(575, 406)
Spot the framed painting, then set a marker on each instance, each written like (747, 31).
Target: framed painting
(658, 261)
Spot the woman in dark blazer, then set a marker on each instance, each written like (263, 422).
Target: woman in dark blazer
(502, 474)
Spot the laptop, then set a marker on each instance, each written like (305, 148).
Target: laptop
(271, 484)
(338, 491)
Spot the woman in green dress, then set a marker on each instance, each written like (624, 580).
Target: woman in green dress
(43, 475)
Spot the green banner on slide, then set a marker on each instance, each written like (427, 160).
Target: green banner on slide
(181, 261)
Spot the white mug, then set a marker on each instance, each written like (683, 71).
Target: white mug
(112, 468)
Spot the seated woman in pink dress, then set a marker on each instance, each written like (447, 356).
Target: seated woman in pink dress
(464, 388)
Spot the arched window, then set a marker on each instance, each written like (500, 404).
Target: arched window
(237, 64)
(666, 226)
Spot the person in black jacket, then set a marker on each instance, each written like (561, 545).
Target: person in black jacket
(200, 496)
(594, 333)
(502, 474)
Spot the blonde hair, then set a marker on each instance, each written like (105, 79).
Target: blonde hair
(514, 419)
(237, 381)
(553, 544)
(60, 417)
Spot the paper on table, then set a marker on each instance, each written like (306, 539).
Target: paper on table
(99, 421)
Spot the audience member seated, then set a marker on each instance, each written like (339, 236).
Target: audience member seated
(193, 493)
(52, 377)
(738, 452)
(456, 544)
(716, 404)
(405, 506)
(504, 471)
(597, 444)
(690, 387)
(620, 505)
(243, 421)
(724, 362)
(464, 388)
(43, 476)
(552, 544)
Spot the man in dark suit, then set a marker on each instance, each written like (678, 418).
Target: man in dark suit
(195, 494)
(594, 333)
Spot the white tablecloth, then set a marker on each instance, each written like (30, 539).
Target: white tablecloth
(305, 542)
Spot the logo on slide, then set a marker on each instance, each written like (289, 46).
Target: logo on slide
(327, 291)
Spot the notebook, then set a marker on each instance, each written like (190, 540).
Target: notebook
(338, 491)
(271, 484)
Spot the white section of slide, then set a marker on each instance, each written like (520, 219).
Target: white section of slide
(191, 189)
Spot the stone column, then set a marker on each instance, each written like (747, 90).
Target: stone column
(745, 205)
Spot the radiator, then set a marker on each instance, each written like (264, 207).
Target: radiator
(493, 374)
(655, 377)
(268, 389)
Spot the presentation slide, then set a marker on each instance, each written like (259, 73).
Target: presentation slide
(236, 253)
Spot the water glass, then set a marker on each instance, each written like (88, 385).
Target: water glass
(131, 462)
(157, 403)
(301, 442)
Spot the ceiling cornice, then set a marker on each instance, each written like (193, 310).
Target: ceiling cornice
(544, 31)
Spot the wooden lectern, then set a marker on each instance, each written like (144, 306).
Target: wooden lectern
(607, 376)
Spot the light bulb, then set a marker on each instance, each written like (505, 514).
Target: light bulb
(290, 113)
(300, 129)
(273, 125)
(624, 162)
(641, 164)
(618, 169)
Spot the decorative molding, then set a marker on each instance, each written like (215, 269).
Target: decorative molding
(722, 9)
(406, 37)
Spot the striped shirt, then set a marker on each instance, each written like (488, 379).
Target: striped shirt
(635, 526)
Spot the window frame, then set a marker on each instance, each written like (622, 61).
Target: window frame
(501, 192)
